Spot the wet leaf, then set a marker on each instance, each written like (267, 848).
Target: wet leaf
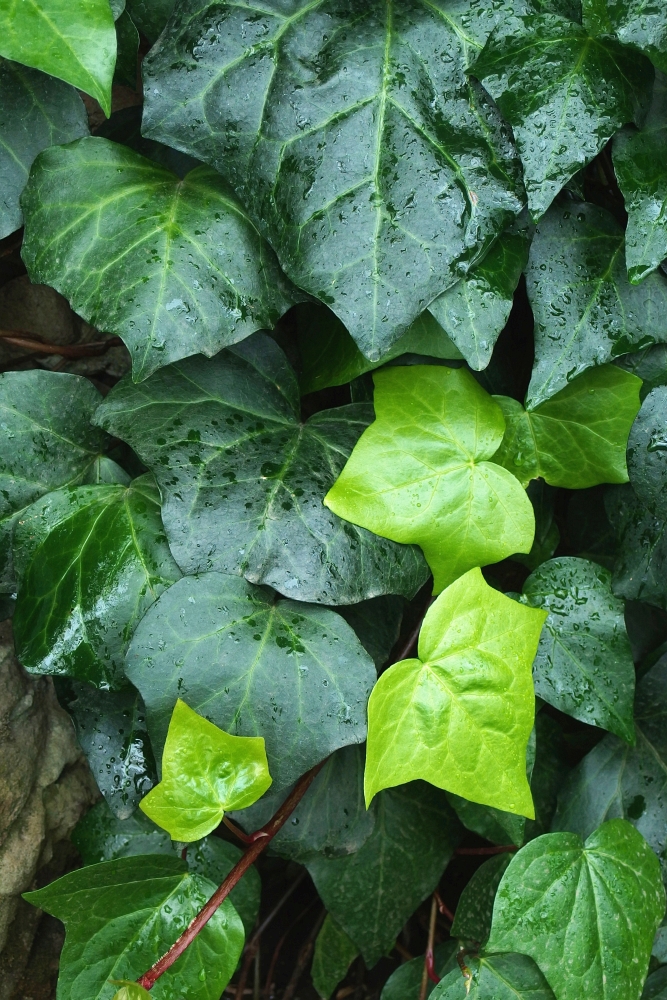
(150, 16)
(639, 24)
(650, 365)
(496, 977)
(472, 921)
(406, 980)
(377, 624)
(547, 533)
(640, 567)
(334, 953)
(647, 453)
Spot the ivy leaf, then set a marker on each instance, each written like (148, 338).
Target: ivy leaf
(90, 562)
(111, 730)
(377, 624)
(235, 652)
(205, 773)
(131, 991)
(334, 953)
(47, 441)
(405, 981)
(549, 772)
(650, 365)
(577, 907)
(615, 780)
(656, 986)
(472, 921)
(127, 38)
(421, 473)
(640, 569)
(73, 42)
(150, 16)
(561, 121)
(36, 111)
(547, 534)
(578, 437)
(475, 310)
(583, 664)
(586, 311)
(371, 893)
(121, 916)
(647, 453)
(638, 162)
(124, 127)
(460, 716)
(496, 977)
(314, 156)
(242, 479)
(173, 267)
(640, 24)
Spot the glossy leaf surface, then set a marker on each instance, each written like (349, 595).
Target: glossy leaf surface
(90, 562)
(647, 453)
(205, 773)
(640, 567)
(371, 893)
(234, 652)
(577, 438)
(421, 473)
(120, 916)
(460, 716)
(561, 119)
(641, 24)
(576, 907)
(496, 977)
(75, 42)
(314, 154)
(584, 662)
(586, 311)
(173, 267)
(242, 479)
(472, 921)
(334, 953)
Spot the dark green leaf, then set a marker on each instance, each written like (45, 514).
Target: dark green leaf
(631, 782)
(584, 662)
(640, 569)
(586, 913)
(472, 921)
(235, 653)
(121, 916)
(656, 986)
(127, 38)
(589, 530)
(213, 859)
(174, 267)
(314, 153)
(36, 111)
(75, 42)
(334, 953)
(243, 480)
(111, 729)
(561, 118)
(405, 982)
(639, 162)
(641, 24)
(549, 773)
(150, 16)
(377, 623)
(647, 453)
(586, 311)
(90, 562)
(47, 441)
(124, 127)
(496, 977)
(650, 365)
(547, 534)
(372, 893)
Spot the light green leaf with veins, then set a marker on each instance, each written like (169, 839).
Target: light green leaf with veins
(421, 473)
(461, 715)
(205, 773)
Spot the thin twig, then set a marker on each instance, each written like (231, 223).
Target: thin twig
(245, 969)
(31, 342)
(237, 831)
(283, 899)
(429, 964)
(475, 851)
(261, 840)
(304, 955)
(269, 976)
(406, 955)
(442, 906)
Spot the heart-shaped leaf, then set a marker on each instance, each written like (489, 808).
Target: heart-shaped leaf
(495, 977)
(647, 453)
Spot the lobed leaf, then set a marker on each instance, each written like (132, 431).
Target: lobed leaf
(639, 24)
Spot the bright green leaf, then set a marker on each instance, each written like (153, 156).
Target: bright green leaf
(561, 119)
(647, 453)
(472, 921)
(586, 913)
(640, 24)
(421, 473)
(242, 478)
(371, 893)
(314, 155)
(640, 568)
(576, 439)
(586, 311)
(73, 40)
(334, 953)
(121, 916)
(235, 652)
(460, 716)
(90, 562)
(132, 991)
(584, 662)
(496, 977)
(173, 267)
(205, 773)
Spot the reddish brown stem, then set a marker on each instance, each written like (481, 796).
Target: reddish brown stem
(442, 906)
(261, 840)
(237, 831)
(429, 963)
(19, 338)
(475, 851)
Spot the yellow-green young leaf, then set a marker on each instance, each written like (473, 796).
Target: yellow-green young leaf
(205, 773)
(460, 716)
(131, 991)
(74, 40)
(421, 473)
(578, 437)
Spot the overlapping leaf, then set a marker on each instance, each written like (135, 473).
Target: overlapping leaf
(564, 93)
(496, 977)
(640, 567)
(472, 921)
(378, 170)
(647, 453)
(254, 665)
(577, 907)
(90, 562)
(586, 311)
(334, 953)
(406, 979)
(242, 479)
(75, 42)
(150, 16)
(641, 24)
(174, 267)
(421, 473)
